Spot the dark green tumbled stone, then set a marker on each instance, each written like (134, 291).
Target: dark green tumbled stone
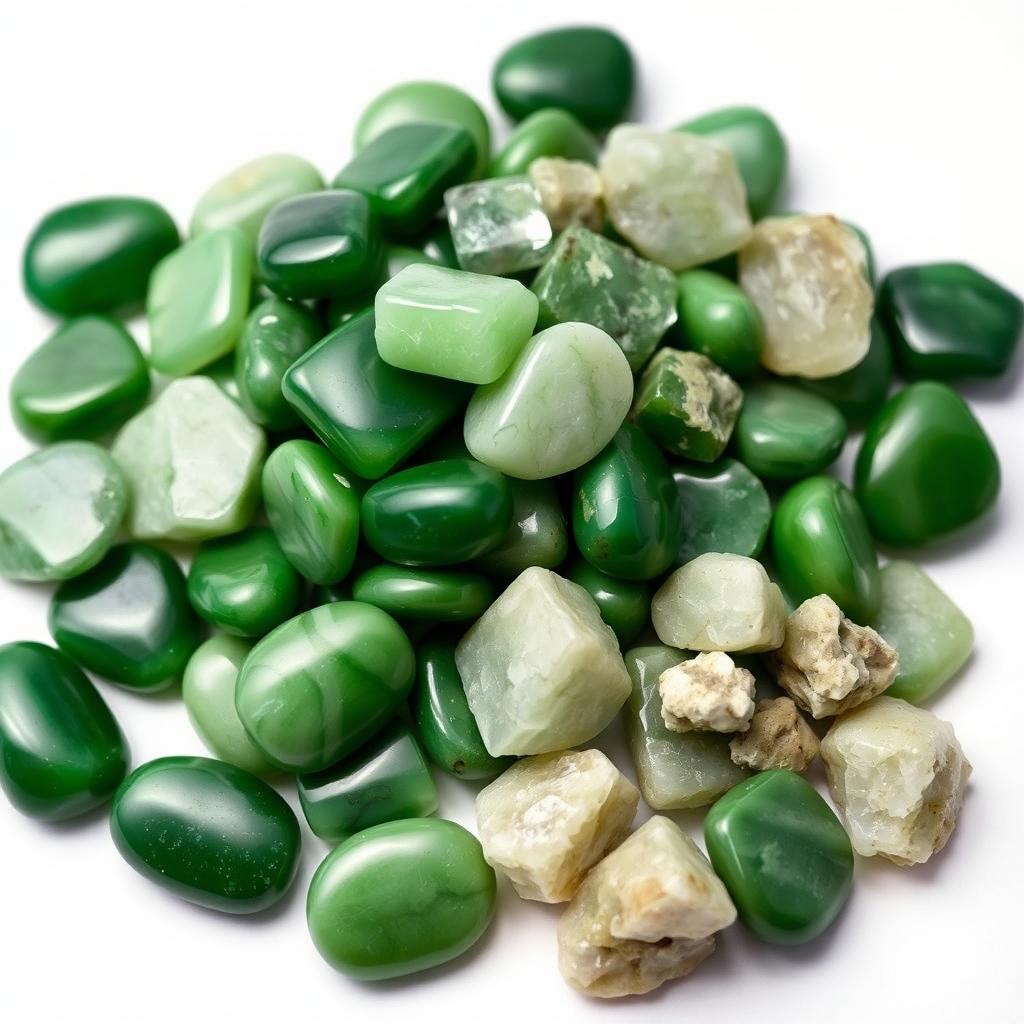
(549, 132)
(719, 321)
(625, 605)
(425, 595)
(538, 534)
(437, 245)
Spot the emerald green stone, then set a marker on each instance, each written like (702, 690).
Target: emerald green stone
(61, 751)
(60, 509)
(870, 268)
(926, 467)
(625, 605)
(207, 832)
(222, 373)
(948, 320)
(719, 321)
(537, 536)
(783, 855)
(400, 897)
(85, 379)
(548, 132)
(821, 545)
(585, 70)
(96, 256)
(438, 247)
(323, 683)
(425, 595)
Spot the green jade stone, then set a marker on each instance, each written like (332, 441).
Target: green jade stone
(425, 595)
(222, 373)
(625, 605)
(548, 132)
(129, 619)
(783, 855)
(537, 536)
(870, 265)
(438, 247)
(719, 321)
(61, 751)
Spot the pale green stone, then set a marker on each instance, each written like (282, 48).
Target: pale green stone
(451, 323)
(193, 462)
(556, 407)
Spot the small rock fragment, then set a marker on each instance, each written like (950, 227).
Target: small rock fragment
(709, 693)
(778, 737)
(570, 192)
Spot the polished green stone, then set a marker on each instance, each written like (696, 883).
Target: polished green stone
(625, 605)
(208, 832)
(400, 897)
(61, 751)
(783, 855)
(222, 373)
(821, 545)
(585, 70)
(323, 683)
(548, 132)
(425, 595)
(437, 245)
(96, 256)
(718, 320)
(926, 467)
(870, 268)
(86, 378)
(128, 619)
(537, 536)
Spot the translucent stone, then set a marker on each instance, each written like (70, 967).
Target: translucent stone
(541, 669)
(898, 774)
(678, 198)
(806, 275)
(778, 737)
(709, 693)
(548, 819)
(720, 602)
(570, 192)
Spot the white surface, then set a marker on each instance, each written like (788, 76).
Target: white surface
(902, 117)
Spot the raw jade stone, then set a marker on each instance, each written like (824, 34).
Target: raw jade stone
(625, 511)
(723, 507)
(197, 302)
(719, 321)
(590, 279)
(625, 605)
(313, 510)
(926, 468)
(571, 192)
(948, 320)
(784, 432)
(95, 256)
(369, 414)
(675, 770)
(86, 378)
(548, 132)
(821, 545)
(323, 683)
(405, 171)
(386, 780)
(129, 619)
(795, 893)
(453, 324)
(60, 509)
(425, 595)
(399, 898)
(584, 70)
(61, 751)
(193, 462)
(558, 404)
(207, 832)
(537, 536)
(243, 197)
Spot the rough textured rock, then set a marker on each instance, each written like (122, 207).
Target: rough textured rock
(709, 693)
(778, 737)
(570, 192)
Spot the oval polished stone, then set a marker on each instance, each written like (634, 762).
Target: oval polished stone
(61, 751)
(719, 321)
(207, 832)
(323, 683)
(625, 605)
(399, 898)
(96, 256)
(625, 513)
(439, 513)
(128, 619)
(425, 595)
(537, 536)
(548, 132)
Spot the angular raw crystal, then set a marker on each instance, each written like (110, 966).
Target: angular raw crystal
(898, 774)
(709, 693)
(570, 192)
(806, 275)
(778, 737)
(541, 669)
(678, 198)
(548, 819)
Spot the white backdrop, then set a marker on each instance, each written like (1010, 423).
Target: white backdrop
(903, 117)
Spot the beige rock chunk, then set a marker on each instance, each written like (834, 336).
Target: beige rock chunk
(570, 191)
(829, 664)
(709, 693)
(548, 819)
(778, 737)
(898, 774)
(645, 915)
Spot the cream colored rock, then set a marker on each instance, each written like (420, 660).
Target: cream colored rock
(806, 275)
(898, 774)
(645, 915)
(548, 819)
(778, 737)
(570, 192)
(829, 664)
(678, 198)
(709, 693)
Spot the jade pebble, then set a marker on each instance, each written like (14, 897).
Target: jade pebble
(719, 321)
(624, 604)
(426, 595)
(548, 132)
(537, 536)
(222, 373)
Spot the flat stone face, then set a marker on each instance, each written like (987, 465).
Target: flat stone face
(542, 671)
(898, 774)
(548, 819)
(709, 693)
(778, 737)
(570, 192)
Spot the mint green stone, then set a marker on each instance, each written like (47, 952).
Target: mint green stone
(549, 132)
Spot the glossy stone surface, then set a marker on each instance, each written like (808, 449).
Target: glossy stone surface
(87, 378)
(548, 132)
(537, 536)
(399, 898)
(926, 467)
(95, 256)
(128, 619)
(323, 683)
(425, 595)
(625, 605)
(719, 321)
(60, 509)
(207, 832)
(61, 751)
(793, 895)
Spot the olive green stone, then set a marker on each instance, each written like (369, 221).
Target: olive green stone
(625, 605)
(719, 321)
(537, 536)
(425, 595)
(548, 132)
